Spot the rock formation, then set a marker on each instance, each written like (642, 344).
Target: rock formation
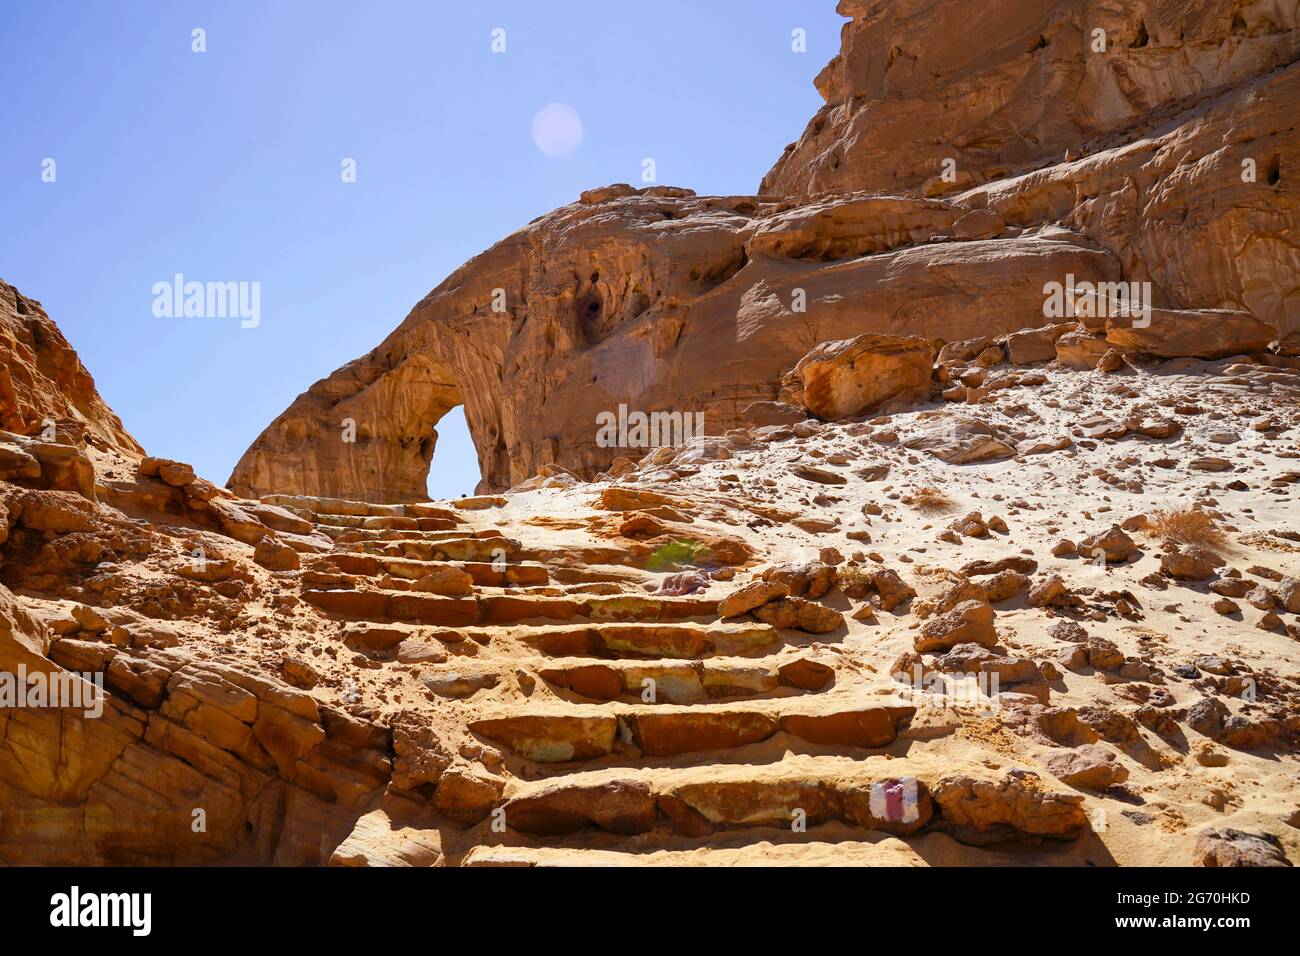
(1160, 157)
(44, 388)
(655, 300)
(949, 578)
(1018, 85)
(668, 658)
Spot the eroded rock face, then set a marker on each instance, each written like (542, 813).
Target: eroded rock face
(1015, 85)
(1198, 205)
(660, 303)
(45, 391)
(119, 781)
(1138, 144)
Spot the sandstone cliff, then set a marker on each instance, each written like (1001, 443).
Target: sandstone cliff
(43, 385)
(658, 300)
(1012, 85)
(1138, 146)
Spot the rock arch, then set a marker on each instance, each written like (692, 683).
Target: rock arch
(693, 315)
(366, 433)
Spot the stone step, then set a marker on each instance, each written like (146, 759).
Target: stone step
(512, 609)
(334, 507)
(723, 798)
(630, 607)
(650, 640)
(669, 644)
(491, 548)
(342, 597)
(570, 574)
(397, 606)
(586, 556)
(392, 543)
(687, 682)
(484, 573)
(383, 523)
(656, 554)
(336, 534)
(899, 796)
(514, 573)
(583, 732)
(552, 590)
(726, 848)
(457, 579)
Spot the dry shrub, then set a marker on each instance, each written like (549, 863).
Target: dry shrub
(930, 500)
(1188, 526)
(854, 581)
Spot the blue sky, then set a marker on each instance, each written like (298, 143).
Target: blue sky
(226, 166)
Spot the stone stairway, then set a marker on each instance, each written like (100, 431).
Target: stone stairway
(620, 714)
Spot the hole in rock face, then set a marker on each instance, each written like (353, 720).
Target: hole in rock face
(454, 470)
(591, 317)
(1274, 169)
(1142, 38)
(640, 302)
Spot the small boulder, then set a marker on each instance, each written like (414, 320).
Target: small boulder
(1228, 847)
(811, 579)
(1188, 563)
(844, 378)
(970, 622)
(1115, 544)
(1090, 766)
(275, 555)
(893, 590)
(445, 581)
(467, 794)
(751, 596)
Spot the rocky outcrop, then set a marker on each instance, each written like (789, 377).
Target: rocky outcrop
(177, 761)
(656, 301)
(1014, 85)
(45, 391)
(1161, 131)
(1202, 206)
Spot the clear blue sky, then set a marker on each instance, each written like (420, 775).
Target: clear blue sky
(225, 166)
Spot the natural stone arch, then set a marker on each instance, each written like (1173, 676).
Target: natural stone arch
(366, 433)
(693, 315)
